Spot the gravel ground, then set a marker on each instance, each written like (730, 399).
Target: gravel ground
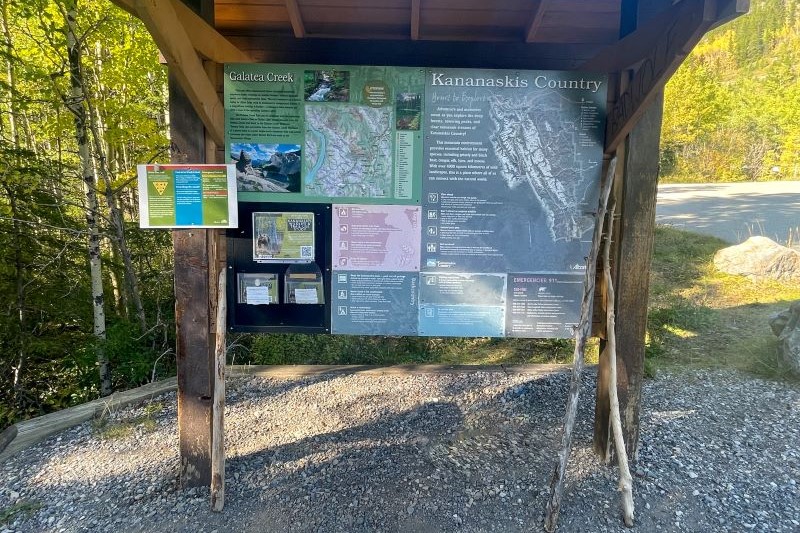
(720, 452)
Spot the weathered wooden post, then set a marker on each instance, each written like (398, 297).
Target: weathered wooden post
(634, 255)
(194, 334)
(653, 42)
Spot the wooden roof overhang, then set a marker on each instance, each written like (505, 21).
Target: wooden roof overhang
(647, 39)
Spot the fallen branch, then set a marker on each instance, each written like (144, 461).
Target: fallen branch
(218, 408)
(582, 334)
(625, 480)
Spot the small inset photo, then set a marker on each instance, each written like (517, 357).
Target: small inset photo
(408, 109)
(326, 85)
(267, 167)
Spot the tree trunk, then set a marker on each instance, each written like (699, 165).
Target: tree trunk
(120, 296)
(76, 104)
(19, 277)
(11, 80)
(117, 220)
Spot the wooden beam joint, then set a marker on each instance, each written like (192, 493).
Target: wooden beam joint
(415, 19)
(163, 23)
(669, 38)
(296, 18)
(536, 21)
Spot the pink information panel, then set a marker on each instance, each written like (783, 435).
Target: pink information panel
(376, 237)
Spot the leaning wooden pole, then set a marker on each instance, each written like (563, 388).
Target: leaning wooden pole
(625, 479)
(218, 408)
(582, 334)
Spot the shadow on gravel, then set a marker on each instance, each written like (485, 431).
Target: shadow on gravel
(470, 458)
(477, 459)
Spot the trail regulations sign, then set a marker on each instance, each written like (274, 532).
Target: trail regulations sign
(461, 200)
(187, 196)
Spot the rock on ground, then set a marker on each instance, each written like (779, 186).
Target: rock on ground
(720, 451)
(786, 326)
(759, 258)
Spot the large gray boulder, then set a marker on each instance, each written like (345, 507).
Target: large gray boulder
(760, 258)
(7, 435)
(786, 326)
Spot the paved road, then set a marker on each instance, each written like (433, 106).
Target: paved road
(734, 211)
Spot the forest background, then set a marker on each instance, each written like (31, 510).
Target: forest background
(86, 297)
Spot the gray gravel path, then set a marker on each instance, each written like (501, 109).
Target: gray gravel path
(431, 453)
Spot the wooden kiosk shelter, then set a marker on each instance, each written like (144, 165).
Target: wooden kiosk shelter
(638, 43)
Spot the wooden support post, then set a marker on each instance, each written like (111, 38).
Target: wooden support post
(192, 318)
(634, 255)
(165, 26)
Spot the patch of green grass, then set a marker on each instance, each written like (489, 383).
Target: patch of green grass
(108, 429)
(282, 349)
(701, 317)
(26, 508)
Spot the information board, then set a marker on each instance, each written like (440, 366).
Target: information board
(462, 200)
(323, 133)
(187, 196)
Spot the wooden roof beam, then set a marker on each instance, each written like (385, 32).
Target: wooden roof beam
(658, 47)
(536, 20)
(161, 19)
(415, 16)
(296, 19)
(208, 42)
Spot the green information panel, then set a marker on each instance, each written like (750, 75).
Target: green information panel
(187, 196)
(313, 133)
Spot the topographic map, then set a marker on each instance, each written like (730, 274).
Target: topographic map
(537, 143)
(348, 151)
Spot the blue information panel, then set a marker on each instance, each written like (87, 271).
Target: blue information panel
(374, 303)
(460, 321)
(459, 305)
(512, 173)
(188, 198)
